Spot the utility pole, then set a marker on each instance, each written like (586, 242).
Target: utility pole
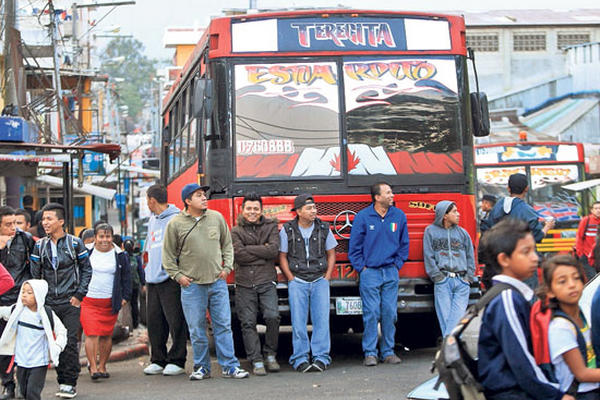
(10, 88)
(13, 183)
(57, 84)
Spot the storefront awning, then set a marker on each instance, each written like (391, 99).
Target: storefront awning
(94, 190)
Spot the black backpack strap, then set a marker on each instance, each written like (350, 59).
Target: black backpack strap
(490, 295)
(574, 387)
(50, 316)
(183, 241)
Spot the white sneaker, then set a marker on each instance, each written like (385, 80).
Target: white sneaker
(199, 374)
(66, 392)
(172, 370)
(235, 373)
(153, 369)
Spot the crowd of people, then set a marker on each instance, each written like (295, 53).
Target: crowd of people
(54, 286)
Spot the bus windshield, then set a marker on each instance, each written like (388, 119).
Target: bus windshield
(401, 115)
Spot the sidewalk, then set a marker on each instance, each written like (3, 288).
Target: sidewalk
(134, 346)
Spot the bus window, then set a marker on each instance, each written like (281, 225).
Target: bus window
(494, 180)
(403, 118)
(549, 198)
(192, 141)
(287, 120)
(185, 145)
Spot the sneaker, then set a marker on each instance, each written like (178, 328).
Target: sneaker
(392, 359)
(304, 367)
(199, 374)
(172, 370)
(272, 364)
(258, 368)
(319, 366)
(370, 361)
(235, 373)
(153, 369)
(66, 392)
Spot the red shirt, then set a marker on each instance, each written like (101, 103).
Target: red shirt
(586, 238)
(6, 280)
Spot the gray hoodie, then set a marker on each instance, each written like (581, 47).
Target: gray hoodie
(449, 250)
(154, 272)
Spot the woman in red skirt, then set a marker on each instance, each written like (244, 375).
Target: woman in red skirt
(109, 289)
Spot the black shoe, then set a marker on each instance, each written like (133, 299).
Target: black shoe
(104, 375)
(8, 393)
(319, 366)
(304, 367)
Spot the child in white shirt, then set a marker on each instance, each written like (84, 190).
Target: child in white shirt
(30, 336)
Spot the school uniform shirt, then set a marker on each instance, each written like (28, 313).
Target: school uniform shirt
(31, 347)
(504, 347)
(104, 265)
(562, 337)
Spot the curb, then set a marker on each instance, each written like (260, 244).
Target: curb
(140, 349)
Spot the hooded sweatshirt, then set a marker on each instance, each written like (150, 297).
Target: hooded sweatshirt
(8, 341)
(157, 224)
(447, 249)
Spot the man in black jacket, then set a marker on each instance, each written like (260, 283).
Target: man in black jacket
(62, 260)
(15, 248)
(256, 246)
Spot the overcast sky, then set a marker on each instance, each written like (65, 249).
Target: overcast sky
(147, 19)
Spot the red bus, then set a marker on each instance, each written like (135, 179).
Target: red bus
(328, 103)
(549, 166)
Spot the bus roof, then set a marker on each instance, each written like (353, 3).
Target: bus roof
(394, 33)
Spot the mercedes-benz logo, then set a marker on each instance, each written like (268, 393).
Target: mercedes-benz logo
(345, 221)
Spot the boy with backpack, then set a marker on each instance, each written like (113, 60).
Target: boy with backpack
(62, 260)
(34, 335)
(506, 367)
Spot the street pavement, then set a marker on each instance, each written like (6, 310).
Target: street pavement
(347, 378)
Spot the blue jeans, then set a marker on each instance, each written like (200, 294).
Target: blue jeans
(313, 296)
(194, 300)
(451, 299)
(379, 294)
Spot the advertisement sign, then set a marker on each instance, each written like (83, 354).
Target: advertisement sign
(525, 152)
(340, 33)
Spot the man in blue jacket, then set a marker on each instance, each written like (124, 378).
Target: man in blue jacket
(378, 249)
(516, 207)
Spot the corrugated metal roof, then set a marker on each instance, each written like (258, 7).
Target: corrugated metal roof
(555, 119)
(532, 17)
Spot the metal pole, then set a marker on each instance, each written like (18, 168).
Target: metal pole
(57, 82)
(68, 196)
(76, 49)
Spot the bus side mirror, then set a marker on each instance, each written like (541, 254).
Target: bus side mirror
(203, 98)
(480, 114)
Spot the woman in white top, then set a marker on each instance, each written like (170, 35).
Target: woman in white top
(109, 289)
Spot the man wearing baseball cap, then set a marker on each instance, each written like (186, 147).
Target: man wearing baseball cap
(307, 258)
(198, 254)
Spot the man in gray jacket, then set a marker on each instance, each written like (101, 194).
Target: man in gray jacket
(450, 263)
(164, 312)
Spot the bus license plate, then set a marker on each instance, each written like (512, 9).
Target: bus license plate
(348, 306)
